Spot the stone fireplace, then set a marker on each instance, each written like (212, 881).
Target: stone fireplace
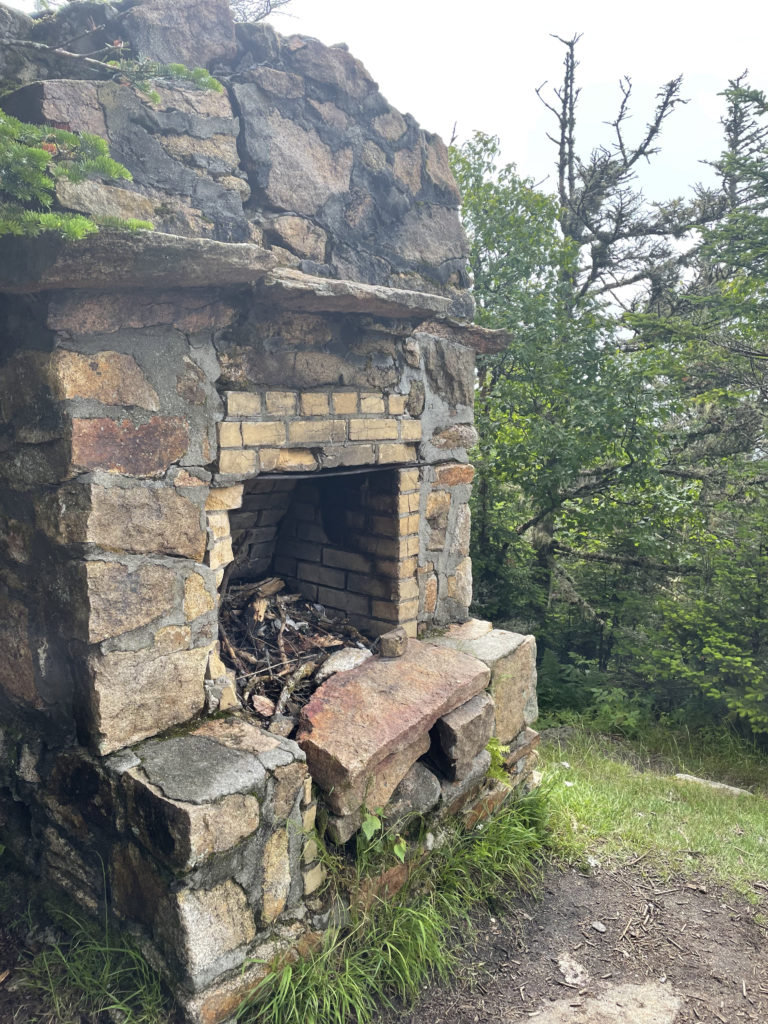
(278, 380)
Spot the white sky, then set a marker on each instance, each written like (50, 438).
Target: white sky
(476, 65)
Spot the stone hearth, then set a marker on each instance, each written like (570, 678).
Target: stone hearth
(278, 379)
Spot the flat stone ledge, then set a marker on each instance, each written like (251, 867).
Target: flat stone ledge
(292, 289)
(124, 260)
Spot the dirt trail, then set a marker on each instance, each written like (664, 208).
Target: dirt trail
(701, 944)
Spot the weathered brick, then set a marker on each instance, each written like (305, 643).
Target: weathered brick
(221, 498)
(374, 586)
(344, 402)
(387, 610)
(243, 403)
(396, 404)
(314, 403)
(397, 453)
(313, 878)
(372, 430)
(218, 525)
(220, 553)
(238, 462)
(372, 403)
(408, 503)
(410, 430)
(408, 479)
(347, 560)
(277, 876)
(263, 433)
(321, 574)
(281, 403)
(406, 590)
(230, 435)
(317, 431)
(343, 600)
(287, 460)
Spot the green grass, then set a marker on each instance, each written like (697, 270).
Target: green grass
(392, 948)
(609, 804)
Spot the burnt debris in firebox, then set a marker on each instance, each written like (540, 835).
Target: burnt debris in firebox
(281, 647)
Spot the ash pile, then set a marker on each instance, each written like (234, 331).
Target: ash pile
(280, 647)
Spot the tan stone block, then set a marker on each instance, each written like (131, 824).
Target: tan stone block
(216, 667)
(220, 553)
(317, 431)
(276, 883)
(409, 479)
(223, 498)
(281, 403)
(411, 628)
(344, 402)
(463, 530)
(430, 595)
(308, 818)
(313, 878)
(203, 926)
(185, 479)
(230, 435)
(408, 546)
(438, 504)
(372, 403)
(218, 525)
(314, 404)
(406, 590)
(409, 524)
(306, 796)
(111, 378)
(229, 698)
(238, 463)
(197, 598)
(263, 433)
(140, 520)
(287, 460)
(243, 403)
(311, 851)
(135, 694)
(407, 166)
(408, 503)
(221, 1000)
(407, 609)
(386, 610)
(454, 473)
(397, 453)
(372, 430)
(121, 600)
(410, 430)
(396, 404)
(458, 586)
(148, 449)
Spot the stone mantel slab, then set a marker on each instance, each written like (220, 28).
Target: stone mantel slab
(143, 259)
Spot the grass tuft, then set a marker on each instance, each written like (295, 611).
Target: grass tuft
(392, 948)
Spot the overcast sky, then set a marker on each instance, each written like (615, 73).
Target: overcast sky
(476, 65)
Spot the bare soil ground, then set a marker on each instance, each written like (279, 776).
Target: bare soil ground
(705, 942)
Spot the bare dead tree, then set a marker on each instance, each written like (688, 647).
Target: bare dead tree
(624, 240)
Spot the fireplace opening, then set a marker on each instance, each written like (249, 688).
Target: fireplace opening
(322, 565)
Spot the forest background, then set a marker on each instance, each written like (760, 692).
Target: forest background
(620, 502)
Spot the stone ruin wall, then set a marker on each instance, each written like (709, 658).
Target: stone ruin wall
(300, 310)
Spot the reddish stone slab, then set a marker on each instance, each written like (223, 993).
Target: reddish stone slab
(358, 718)
(123, 447)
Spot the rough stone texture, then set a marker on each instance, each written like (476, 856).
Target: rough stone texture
(374, 788)
(277, 876)
(147, 449)
(142, 520)
(418, 792)
(511, 658)
(454, 795)
(137, 694)
(393, 644)
(196, 35)
(121, 600)
(111, 378)
(459, 736)
(649, 1003)
(359, 717)
(208, 930)
(341, 661)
